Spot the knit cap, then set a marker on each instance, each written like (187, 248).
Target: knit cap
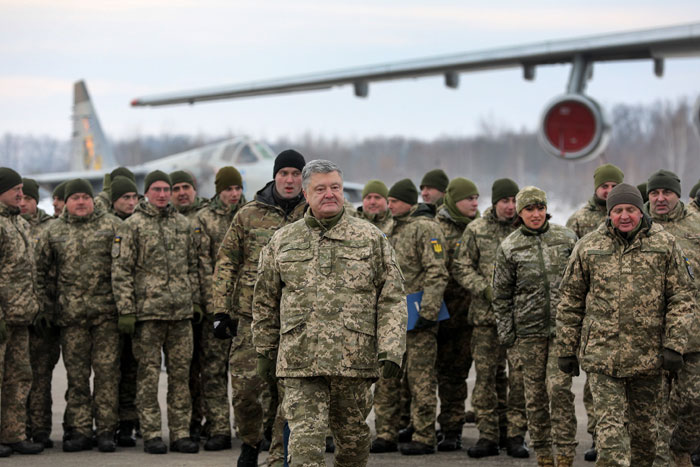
(180, 176)
(437, 179)
(624, 194)
(288, 158)
(404, 190)
(375, 186)
(503, 188)
(607, 173)
(528, 196)
(664, 179)
(30, 188)
(122, 185)
(461, 188)
(155, 176)
(78, 185)
(8, 179)
(226, 177)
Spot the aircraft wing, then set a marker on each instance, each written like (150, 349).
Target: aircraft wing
(656, 44)
(95, 177)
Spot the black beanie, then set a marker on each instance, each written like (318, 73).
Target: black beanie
(435, 179)
(503, 188)
(288, 158)
(8, 179)
(59, 191)
(155, 176)
(122, 172)
(121, 186)
(404, 190)
(664, 179)
(30, 188)
(180, 176)
(694, 190)
(78, 185)
(624, 193)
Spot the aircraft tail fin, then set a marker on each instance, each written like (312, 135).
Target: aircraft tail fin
(90, 148)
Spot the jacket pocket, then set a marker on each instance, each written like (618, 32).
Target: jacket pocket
(360, 342)
(294, 351)
(294, 261)
(353, 267)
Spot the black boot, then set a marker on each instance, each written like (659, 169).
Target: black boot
(196, 432)
(516, 447)
(218, 443)
(43, 439)
(105, 442)
(249, 456)
(416, 448)
(381, 445)
(185, 445)
(695, 457)
(77, 442)
(483, 448)
(452, 441)
(591, 454)
(125, 438)
(26, 447)
(155, 446)
(406, 434)
(5, 451)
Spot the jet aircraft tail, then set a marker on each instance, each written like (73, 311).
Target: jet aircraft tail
(90, 148)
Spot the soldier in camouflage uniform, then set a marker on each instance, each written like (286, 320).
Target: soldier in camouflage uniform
(58, 200)
(279, 203)
(418, 242)
(79, 245)
(693, 205)
(683, 410)
(44, 348)
(582, 222)
(210, 227)
(454, 359)
(156, 287)
(473, 270)
(103, 200)
(621, 337)
(375, 206)
(433, 187)
(529, 265)
(18, 307)
(330, 309)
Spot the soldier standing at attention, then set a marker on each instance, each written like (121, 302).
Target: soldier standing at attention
(103, 200)
(621, 337)
(18, 307)
(375, 206)
(277, 204)
(460, 207)
(78, 242)
(473, 270)
(156, 286)
(529, 265)
(44, 348)
(330, 310)
(58, 200)
(210, 226)
(582, 222)
(433, 187)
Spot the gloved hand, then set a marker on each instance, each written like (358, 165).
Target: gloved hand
(3, 331)
(488, 294)
(423, 323)
(224, 326)
(390, 370)
(197, 314)
(672, 360)
(569, 365)
(42, 324)
(127, 324)
(266, 368)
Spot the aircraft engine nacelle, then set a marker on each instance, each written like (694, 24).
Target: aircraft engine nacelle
(574, 127)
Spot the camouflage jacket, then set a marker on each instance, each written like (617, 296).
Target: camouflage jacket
(457, 298)
(210, 226)
(474, 262)
(329, 302)
(237, 259)
(37, 223)
(622, 303)
(683, 224)
(526, 279)
(18, 302)
(693, 207)
(384, 222)
(419, 246)
(154, 266)
(588, 218)
(191, 210)
(103, 201)
(80, 250)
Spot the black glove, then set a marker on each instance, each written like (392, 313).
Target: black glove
(423, 323)
(390, 370)
(672, 360)
(569, 365)
(224, 326)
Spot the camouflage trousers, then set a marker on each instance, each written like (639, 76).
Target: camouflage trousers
(214, 376)
(549, 402)
(312, 405)
(86, 349)
(626, 409)
(127, 382)
(454, 359)
(196, 376)
(44, 352)
(488, 395)
(175, 339)
(588, 404)
(421, 376)
(387, 408)
(16, 378)
(275, 457)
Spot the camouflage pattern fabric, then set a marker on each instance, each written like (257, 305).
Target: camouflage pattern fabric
(127, 380)
(103, 201)
(175, 338)
(625, 440)
(275, 458)
(586, 219)
(341, 403)
(685, 406)
(383, 221)
(694, 207)
(387, 412)
(191, 210)
(421, 376)
(86, 349)
(551, 416)
(16, 377)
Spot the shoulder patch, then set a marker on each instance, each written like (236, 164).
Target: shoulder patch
(689, 268)
(437, 247)
(198, 230)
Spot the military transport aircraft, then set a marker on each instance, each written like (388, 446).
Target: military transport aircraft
(573, 126)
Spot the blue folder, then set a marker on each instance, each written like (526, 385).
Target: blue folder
(413, 302)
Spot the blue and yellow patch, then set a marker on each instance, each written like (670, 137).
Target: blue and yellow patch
(689, 268)
(117, 239)
(437, 247)
(198, 230)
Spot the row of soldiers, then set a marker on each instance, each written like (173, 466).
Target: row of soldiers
(164, 280)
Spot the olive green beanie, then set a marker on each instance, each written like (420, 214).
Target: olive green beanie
(404, 190)
(375, 186)
(694, 190)
(528, 196)
(30, 188)
(59, 191)
(664, 179)
(78, 185)
(226, 177)
(503, 188)
(180, 176)
(436, 178)
(155, 176)
(461, 188)
(121, 186)
(8, 179)
(607, 173)
(122, 172)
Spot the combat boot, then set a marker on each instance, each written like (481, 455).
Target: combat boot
(591, 453)
(77, 442)
(416, 448)
(5, 451)
(43, 439)
(125, 436)
(196, 432)
(249, 456)
(516, 447)
(483, 448)
(105, 442)
(218, 443)
(564, 461)
(406, 434)
(381, 445)
(26, 447)
(185, 446)
(680, 459)
(155, 446)
(452, 441)
(545, 461)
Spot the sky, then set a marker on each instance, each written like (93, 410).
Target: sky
(129, 48)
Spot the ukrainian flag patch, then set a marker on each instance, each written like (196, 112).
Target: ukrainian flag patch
(437, 247)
